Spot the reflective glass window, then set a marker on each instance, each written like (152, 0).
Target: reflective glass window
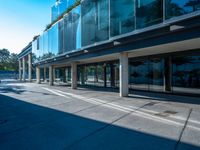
(138, 74)
(54, 39)
(122, 16)
(54, 12)
(61, 36)
(102, 20)
(180, 7)
(68, 32)
(156, 74)
(76, 14)
(148, 12)
(186, 74)
(88, 15)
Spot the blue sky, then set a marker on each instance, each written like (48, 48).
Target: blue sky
(21, 20)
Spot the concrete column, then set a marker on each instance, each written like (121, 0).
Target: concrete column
(54, 74)
(20, 69)
(24, 69)
(38, 74)
(74, 75)
(168, 74)
(123, 71)
(45, 74)
(30, 67)
(51, 75)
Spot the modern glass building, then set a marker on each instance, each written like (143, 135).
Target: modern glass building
(151, 45)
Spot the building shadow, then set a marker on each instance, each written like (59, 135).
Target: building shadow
(25, 125)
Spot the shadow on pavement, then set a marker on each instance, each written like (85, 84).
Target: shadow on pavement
(27, 126)
(17, 89)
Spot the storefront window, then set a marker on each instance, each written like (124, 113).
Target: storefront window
(156, 74)
(186, 74)
(146, 74)
(138, 74)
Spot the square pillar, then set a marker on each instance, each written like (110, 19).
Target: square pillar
(38, 74)
(168, 74)
(20, 69)
(123, 74)
(51, 78)
(74, 75)
(24, 69)
(30, 67)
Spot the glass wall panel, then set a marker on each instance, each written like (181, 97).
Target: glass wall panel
(138, 74)
(34, 51)
(102, 20)
(88, 15)
(148, 12)
(147, 74)
(186, 74)
(122, 16)
(99, 74)
(68, 32)
(156, 74)
(53, 33)
(61, 36)
(54, 12)
(180, 7)
(45, 46)
(40, 51)
(76, 14)
(68, 74)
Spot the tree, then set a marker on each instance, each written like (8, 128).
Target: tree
(8, 61)
(4, 59)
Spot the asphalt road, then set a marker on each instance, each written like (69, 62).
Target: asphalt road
(41, 117)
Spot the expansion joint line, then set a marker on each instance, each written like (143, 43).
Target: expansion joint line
(183, 129)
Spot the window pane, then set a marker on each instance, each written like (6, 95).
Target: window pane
(186, 74)
(181, 7)
(102, 20)
(68, 32)
(88, 22)
(148, 12)
(122, 16)
(156, 74)
(77, 27)
(61, 36)
(138, 71)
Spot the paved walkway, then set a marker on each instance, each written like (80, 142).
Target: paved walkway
(41, 117)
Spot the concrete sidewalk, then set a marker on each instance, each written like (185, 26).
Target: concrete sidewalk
(41, 117)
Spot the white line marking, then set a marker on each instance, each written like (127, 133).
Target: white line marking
(125, 109)
(56, 93)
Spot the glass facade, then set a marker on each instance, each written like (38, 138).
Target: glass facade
(123, 19)
(60, 7)
(186, 74)
(99, 74)
(180, 7)
(95, 21)
(146, 74)
(148, 12)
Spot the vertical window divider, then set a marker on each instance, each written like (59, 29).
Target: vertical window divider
(164, 11)
(134, 14)
(109, 23)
